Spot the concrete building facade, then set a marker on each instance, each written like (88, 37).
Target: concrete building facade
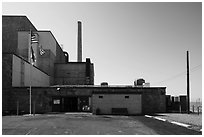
(16, 68)
(87, 98)
(59, 85)
(21, 74)
(117, 103)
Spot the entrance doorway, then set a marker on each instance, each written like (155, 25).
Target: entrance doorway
(70, 104)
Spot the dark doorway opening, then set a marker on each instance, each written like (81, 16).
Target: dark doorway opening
(70, 104)
(84, 104)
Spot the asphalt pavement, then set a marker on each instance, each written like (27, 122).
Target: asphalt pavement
(88, 124)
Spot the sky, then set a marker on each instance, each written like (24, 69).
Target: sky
(127, 41)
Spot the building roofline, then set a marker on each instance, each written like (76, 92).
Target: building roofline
(52, 36)
(95, 86)
(71, 63)
(99, 86)
(33, 26)
(20, 16)
(111, 86)
(14, 16)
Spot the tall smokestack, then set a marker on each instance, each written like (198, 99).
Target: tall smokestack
(79, 52)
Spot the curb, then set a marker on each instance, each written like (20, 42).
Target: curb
(180, 124)
(161, 119)
(172, 122)
(31, 115)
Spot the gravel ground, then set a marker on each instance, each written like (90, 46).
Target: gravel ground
(194, 120)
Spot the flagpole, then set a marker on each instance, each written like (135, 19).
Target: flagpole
(30, 97)
(30, 86)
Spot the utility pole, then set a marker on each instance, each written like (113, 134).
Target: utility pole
(188, 85)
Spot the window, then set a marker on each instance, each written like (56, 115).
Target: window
(56, 101)
(126, 96)
(100, 96)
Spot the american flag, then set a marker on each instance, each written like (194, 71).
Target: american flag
(34, 37)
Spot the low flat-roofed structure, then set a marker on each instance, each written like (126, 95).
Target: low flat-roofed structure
(80, 98)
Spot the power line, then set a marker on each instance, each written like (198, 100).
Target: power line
(180, 74)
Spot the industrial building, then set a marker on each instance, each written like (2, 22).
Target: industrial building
(59, 85)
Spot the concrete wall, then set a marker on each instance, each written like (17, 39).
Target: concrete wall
(21, 74)
(74, 73)
(46, 62)
(42, 97)
(10, 26)
(70, 74)
(6, 80)
(6, 70)
(109, 101)
(53, 52)
(23, 44)
(60, 56)
(153, 100)
(47, 41)
(20, 98)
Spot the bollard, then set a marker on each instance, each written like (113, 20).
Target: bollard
(198, 110)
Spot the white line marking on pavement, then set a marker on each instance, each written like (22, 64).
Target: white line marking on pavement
(180, 124)
(161, 119)
(148, 116)
(172, 122)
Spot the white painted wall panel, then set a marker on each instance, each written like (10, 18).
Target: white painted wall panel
(39, 78)
(109, 101)
(16, 71)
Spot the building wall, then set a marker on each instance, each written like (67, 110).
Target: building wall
(6, 80)
(140, 99)
(53, 53)
(47, 41)
(23, 44)
(70, 74)
(6, 70)
(20, 98)
(109, 101)
(42, 97)
(153, 100)
(46, 62)
(10, 27)
(60, 56)
(21, 74)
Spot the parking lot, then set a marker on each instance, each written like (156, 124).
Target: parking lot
(88, 124)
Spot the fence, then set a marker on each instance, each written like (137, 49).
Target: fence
(196, 109)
